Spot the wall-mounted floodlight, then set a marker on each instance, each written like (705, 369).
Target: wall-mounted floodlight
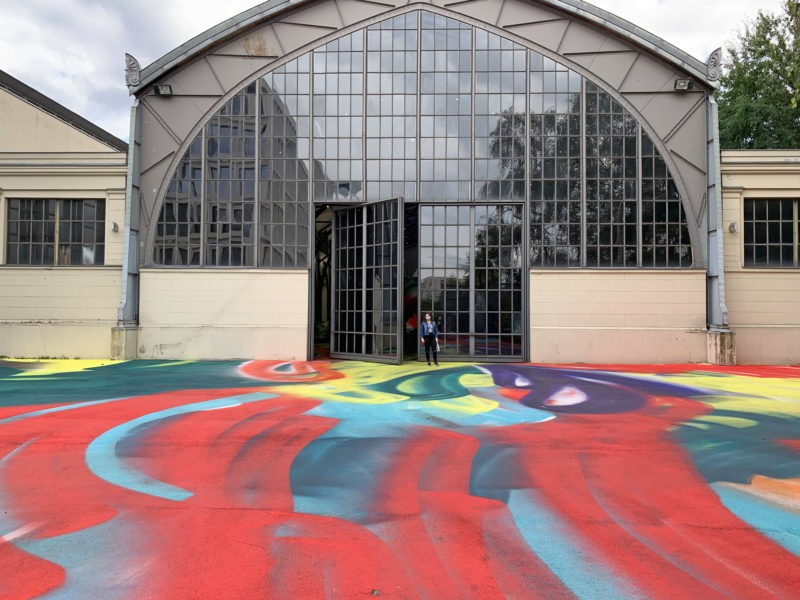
(733, 227)
(114, 226)
(162, 89)
(684, 85)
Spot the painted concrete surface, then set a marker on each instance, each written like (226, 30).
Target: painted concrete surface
(148, 479)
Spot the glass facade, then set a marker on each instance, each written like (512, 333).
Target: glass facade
(431, 109)
(471, 277)
(391, 122)
(512, 159)
(555, 164)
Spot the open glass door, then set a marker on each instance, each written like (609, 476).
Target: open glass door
(366, 301)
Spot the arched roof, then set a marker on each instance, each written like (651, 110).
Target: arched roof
(252, 17)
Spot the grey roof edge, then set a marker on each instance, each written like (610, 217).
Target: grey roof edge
(252, 16)
(225, 30)
(639, 36)
(50, 106)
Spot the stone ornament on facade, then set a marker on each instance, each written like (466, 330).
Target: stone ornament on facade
(132, 72)
(714, 65)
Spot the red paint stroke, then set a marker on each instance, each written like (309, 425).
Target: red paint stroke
(457, 545)
(47, 485)
(238, 535)
(7, 412)
(791, 444)
(47, 476)
(290, 371)
(26, 576)
(633, 496)
(515, 394)
(625, 487)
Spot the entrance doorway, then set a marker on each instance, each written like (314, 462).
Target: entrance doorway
(359, 281)
(380, 265)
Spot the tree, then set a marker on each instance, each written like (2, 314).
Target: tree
(759, 95)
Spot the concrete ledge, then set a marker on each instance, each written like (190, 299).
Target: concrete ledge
(55, 340)
(764, 345)
(223, 343)
(617, 345)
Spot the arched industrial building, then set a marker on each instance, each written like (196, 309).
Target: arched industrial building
(535, 173)
(308, 177)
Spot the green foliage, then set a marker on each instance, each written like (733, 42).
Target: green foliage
(759, 95)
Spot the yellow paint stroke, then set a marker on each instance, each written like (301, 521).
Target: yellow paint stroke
(737, 422)
(359, 376)
(340, 390)
(43, 368)
(471, 405)
(171, 364)
(773, 396)
(477, 380)
(695, 425)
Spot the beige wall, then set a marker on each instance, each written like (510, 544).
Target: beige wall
(763, 304)
(598, 316)
(58, 312)
(223, 314)
(26, 128)
(64, 311)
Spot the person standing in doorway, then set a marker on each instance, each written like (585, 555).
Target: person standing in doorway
(429, 335)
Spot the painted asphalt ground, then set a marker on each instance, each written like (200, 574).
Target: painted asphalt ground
(334, 479)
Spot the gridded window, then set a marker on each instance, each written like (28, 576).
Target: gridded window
(431, 109)
(240, 194)
(381, 267)
(230, 176)
(445, 108)
(55, 232)
(611, 182)
(178, 237)
(665, 235)
(445, 240)
(771, 233)
(471, 272)
(555, 164)
(498, 280)
(391, 108)
(366, 289)
(338, 98)
(349, 300)
(284, 158)
(500, 123)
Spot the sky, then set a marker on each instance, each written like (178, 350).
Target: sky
(73, 51)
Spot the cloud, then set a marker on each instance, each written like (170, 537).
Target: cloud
(696, 28)
(73, 50)
(46, 47)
